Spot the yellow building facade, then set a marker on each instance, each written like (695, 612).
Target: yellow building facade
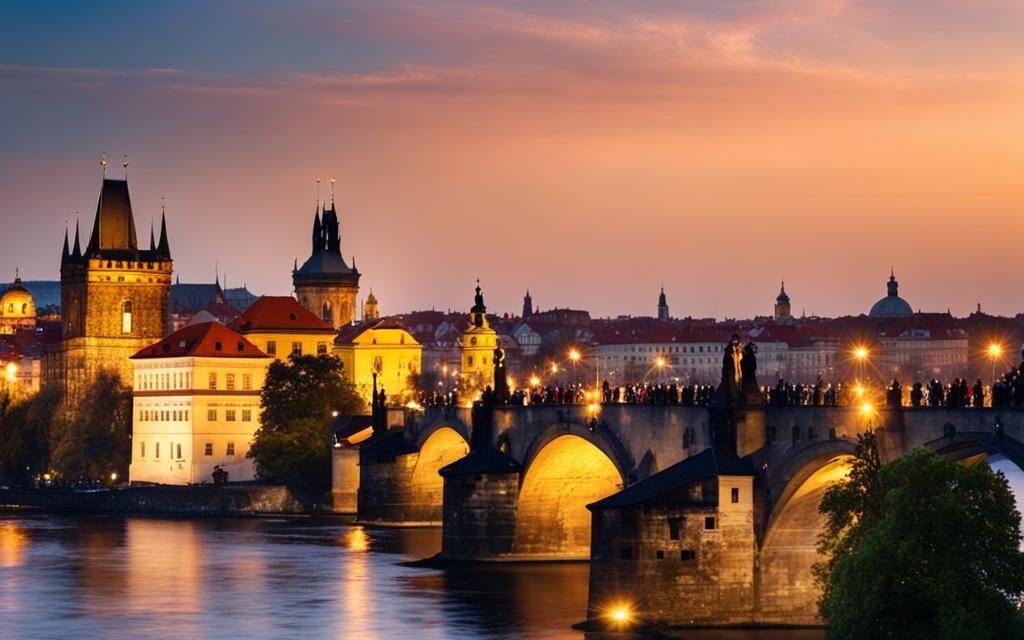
(279, 326)
(383, 347)
(477, 349)
(17, 308)
(196, 406)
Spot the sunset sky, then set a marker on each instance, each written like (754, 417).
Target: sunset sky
(590, 151)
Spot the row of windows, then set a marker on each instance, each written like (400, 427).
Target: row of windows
(165, 381)
(164, 415)
(230, 415)
(685, 555)
(230, 381)
(271, 349)
(176, 450)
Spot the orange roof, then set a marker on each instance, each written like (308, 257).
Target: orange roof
(279, 313)
(350, 332)
(208, 340)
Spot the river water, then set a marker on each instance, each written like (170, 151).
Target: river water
(78, 577)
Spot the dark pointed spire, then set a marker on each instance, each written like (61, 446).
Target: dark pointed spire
(164, 248)
(66, 253)
(152, 238)
(318, 236)
(76, 253)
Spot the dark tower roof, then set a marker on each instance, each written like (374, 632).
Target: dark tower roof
(66, 253)
(326, 262)
(77, 251)
(783, 296)
(114, 226)
(661, 298)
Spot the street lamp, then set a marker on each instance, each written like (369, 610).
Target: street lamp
(995, 350)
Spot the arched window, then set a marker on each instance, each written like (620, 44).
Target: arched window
(126, 317)
(326, 314)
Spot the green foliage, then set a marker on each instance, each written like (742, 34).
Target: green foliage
(923, 547)
(25, 432)
(293, 443)
(90, 438)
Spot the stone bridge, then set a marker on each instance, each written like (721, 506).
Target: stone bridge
(527, 498)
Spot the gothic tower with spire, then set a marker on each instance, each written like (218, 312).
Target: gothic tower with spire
(325, 284)
(662, 306)
(114, 295)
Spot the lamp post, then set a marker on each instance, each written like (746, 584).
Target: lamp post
(994, 351)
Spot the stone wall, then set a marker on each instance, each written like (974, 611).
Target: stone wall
(479, 516)
(194, 500)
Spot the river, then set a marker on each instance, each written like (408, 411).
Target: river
(76, 577)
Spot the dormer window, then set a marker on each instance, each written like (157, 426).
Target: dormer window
(291, 316)
(216, 345)
(241, 346)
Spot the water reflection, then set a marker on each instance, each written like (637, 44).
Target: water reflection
(133, 578)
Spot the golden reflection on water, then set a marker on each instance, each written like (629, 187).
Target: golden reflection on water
(356, 539)
(12, 544)
(164, 567)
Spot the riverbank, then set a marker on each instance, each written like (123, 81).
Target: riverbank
(197, 500)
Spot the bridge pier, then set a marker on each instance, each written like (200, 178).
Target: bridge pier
(345, 480)
(479, 514)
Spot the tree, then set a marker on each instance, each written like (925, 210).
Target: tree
(90, 435)
(293, 443)
(923, 547)
(25, 432)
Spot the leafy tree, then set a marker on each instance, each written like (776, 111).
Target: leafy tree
(293, 443)
(90, 436)
(923, 547)
(25, 432)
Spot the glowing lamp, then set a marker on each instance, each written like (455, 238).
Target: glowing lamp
(574, 355)
(995, 350)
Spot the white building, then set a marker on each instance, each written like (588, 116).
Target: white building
(196, 405)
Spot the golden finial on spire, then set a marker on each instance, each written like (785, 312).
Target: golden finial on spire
(332, 189)
(103, 163)
(124, 163)
(318, 193)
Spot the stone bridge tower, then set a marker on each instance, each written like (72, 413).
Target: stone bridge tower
(114, 296)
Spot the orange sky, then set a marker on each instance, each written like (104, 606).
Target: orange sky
(591, 152)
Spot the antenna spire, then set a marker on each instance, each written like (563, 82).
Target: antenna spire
(124, 163)
(103, 163)
(332, 191)
(318, 193)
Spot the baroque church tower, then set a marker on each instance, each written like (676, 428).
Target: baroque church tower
(782, 310)
(477, 350)
(114, 296)
(325, 284)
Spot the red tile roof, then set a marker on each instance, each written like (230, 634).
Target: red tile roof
(350, 332)
(209, 340)
(278, 313)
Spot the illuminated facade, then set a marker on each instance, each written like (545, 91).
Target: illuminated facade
(17, 309)
(325, 284)
(477, 349)
(196, 406)
(114, 296)
(280, 326)
(384, 347)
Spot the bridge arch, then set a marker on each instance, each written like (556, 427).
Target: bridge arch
(969, 444)
(439, 447)
(786, 587)
(567, 468)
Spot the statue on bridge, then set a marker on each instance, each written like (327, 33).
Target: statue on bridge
(739, 373)
(502, 395)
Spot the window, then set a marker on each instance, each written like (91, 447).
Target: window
(230, 382)
(126, 317)
(271, 347)
(469, 361)
(709, 523)
(211, 415)
(674, 526)
(229, 415)
(231, 448)
(735, 495)
(625, 553)
(326, 313)
(208, 449)
(297, 348)
(687, 555)
(246, 415)
(246, 382)
(142, 449)
(157, 454)
(178, 451)
(321, 348)
(217, 345)
(660, 555)
(213, 379)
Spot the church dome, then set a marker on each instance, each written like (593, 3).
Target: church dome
(17, 302)
(892, 305)
(783, 297)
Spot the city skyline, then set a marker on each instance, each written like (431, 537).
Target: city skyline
(712, 150)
